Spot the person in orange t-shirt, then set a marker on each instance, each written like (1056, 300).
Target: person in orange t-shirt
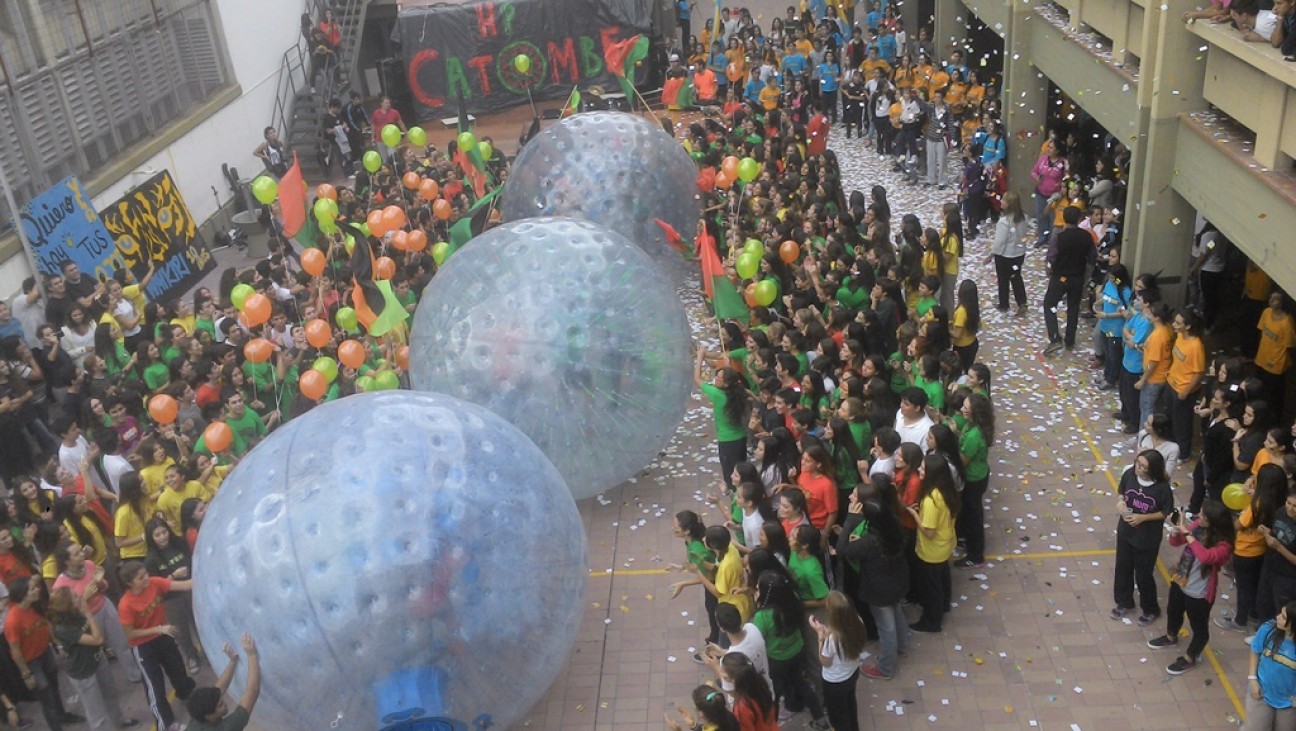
(1187, 364)
(28, 634)
(1156, 361)
(143, 618)
(1277, 330)
(821, 493)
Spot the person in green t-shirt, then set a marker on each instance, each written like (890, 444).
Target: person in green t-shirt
(248, 427)
(728, 397)
(846, 454)
(780, 617)
(690, 529)
(206, 706)
(806, 567)
(150, 367)
(974, 447)
(928, 379)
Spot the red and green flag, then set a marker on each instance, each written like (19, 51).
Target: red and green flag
(678, 93)
(622, 57)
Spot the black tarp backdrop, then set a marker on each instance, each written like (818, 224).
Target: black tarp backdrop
(471, 49)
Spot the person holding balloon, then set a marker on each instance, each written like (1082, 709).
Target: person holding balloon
(1259, 509)
(384, 117)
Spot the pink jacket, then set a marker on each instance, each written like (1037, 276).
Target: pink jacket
(1048, 175)
(1215, 557)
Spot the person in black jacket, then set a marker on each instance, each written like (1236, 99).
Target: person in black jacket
(872, 542)
(1070, 258)
(1144, 502)
(1216, 464)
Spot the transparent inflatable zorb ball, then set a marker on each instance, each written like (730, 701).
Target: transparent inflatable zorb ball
(618, 170)
(395, 555)
(570, 333)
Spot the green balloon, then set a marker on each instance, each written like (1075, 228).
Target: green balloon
(748, 169)
(766, 292)
(328, 227)
(390, 135)
(327, 367)
(265, 189)
(346, 318)
(522, 63)
(747, 265)
(440, 252)
(754, 246)
(371, 161)
(416, 136)
(386, 381)
(364, 383)
(239, 295)
(349, 243)
(485, 149)
(466, 142)
(325, 209)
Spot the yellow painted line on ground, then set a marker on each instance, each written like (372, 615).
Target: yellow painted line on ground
(1111, 479)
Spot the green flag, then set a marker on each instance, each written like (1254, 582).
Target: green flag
(474, 223)
(728, 303)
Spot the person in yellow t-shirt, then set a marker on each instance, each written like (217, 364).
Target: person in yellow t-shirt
(1274, 354)
(156, 462)
(770, 95)
(133, 512)
(134, 293)
(937, 504)
(964, 324)
(177, 491)
(729, 572)
(873, 62)
(1187, 364)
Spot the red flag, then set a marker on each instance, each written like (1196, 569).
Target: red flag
(673, 238)
(292, 199)
(471, 173)
(615, 55)
(705, 245)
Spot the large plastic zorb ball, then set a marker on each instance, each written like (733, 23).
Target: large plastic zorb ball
(615, 169)
(569, 332)
(394, 554)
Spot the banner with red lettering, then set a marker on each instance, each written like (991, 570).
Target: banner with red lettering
(473, 50)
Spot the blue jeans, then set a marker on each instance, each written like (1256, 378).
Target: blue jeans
(1043, 222)
(1150, 401)
(893, 635)
(1112, 355)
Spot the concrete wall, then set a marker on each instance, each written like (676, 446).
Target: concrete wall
(256, 34)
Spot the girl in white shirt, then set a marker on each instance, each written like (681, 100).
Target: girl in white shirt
(841, 642)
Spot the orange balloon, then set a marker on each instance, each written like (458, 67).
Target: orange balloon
(312, 384)
(402, 357)
(384, 268)
(442, 210)
(412, 180)
(400, 241)
(257, 308)
(258, 350)
(163, 409)
(218, 436)
(393, 218)
(318, 333)
(729, 166)
(313, 261)
(375, 221)
(749, 295)
(326, 191)
(351, 353)
(722, 181)
(429, 190)
(789, 251)
(417, 240)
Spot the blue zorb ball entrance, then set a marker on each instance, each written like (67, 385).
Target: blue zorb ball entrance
(397, 556)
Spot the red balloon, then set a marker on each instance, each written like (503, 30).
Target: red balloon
(429, 190)
(442, 209)
(318, 333)
(326, 191)
(257, 308)
(313, 262)
(163, 409)
(218, 436)
(384, 268)
(417, 240)
(400, 241)
(313, 384)
(258, 350)
(789, 251)
(351, 353)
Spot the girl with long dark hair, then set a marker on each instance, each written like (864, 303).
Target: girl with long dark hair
(1144, 502)
(690, 529)
(780, 617)
(1208, 543)
(965, 323)
(753, 701)
(728, 397)
(872, 540)
(1249, 547)
(1271, 676)
(934, 515)
(974, 451)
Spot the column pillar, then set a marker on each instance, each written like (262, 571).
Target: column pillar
(1025, 103)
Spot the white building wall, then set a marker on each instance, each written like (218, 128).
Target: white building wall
(256, 34)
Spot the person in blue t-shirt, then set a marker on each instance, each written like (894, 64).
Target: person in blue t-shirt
(1134, 334)
(752, 91)
(794, 65)
(886, 45)
(1271, 679)
(683, 14)
(717, 64)
(828, 74)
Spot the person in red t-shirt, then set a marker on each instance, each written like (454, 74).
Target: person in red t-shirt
(821, 493)
(143, 617)
(12, 565)
(383, 116)
(28, 634)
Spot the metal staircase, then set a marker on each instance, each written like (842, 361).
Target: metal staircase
(299, 110)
